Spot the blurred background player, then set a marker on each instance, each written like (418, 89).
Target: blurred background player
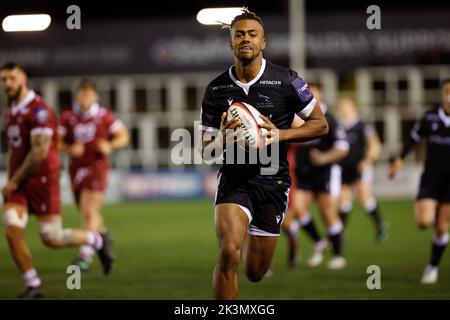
(33, 179)
(433, 198)
(357, 166)
(318, 177)
(88, 134)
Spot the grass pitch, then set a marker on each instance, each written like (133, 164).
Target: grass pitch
(167, 250)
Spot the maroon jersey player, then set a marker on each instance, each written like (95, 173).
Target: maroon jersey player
(88, 134)
(33, 178)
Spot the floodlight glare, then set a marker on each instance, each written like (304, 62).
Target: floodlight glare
(26, 22)
(211, 16)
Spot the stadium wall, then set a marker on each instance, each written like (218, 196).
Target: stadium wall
(186, 185)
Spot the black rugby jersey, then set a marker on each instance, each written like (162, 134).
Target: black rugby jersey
(276, 92)
(356, 132)
(434, 126)
(335, 138)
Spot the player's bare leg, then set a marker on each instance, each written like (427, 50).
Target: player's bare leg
(231, 228)
(369, 203)
(290, 227)
(425, 212)
(15, 218)
(54, 235)
(425, 216)
(302, 202)
(328, 211)
(345, 203)
(257, 257)
(90, 204)
(439, 243)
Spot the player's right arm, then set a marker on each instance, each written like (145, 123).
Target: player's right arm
(214, 126)
(8, 161)
(373, 149)
(74, 149)
(40, 145)
(303, 104)
(418, 132)
(216, 140)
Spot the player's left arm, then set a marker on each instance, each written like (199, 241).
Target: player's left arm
(337, 152)
(119, 139)
(315, 126)
(40, 145)
(373, 144)
(333, 155)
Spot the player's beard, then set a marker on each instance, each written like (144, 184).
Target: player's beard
(246, 59)
(14, 96)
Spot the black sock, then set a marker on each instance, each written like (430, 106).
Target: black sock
(436, 253)
(336, 242)
(375, 214)
(343, 215)
(311, 230)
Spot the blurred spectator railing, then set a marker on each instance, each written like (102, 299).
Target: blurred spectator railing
(153, 106)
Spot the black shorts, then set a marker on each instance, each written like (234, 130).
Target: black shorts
(264, 201)
(325, 179)
(350, 174)
(435, 185)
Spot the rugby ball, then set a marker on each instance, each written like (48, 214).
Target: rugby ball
(251, 134)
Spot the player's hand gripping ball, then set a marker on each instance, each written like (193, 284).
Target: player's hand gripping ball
(249, 131)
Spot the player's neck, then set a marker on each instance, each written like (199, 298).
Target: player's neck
(246, 72)
(23, 94)
(446, 109)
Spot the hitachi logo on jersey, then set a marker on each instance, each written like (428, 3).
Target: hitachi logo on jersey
(270, 82)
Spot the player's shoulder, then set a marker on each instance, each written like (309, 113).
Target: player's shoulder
(432, 114)
(67, 114)
(39, 109)
(105, 112)
(330, 117)
(222, 81)
(38, 103)
(281, 73)
(361, 124)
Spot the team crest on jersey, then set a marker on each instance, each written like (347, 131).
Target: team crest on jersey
(85, 132)
(42, 115)
(264, 101)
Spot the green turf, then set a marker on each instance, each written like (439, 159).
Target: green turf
(167, 250)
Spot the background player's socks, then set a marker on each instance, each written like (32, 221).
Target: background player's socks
(438, 246)
(31, 278)
(293, 229)
(94, 239)
(335, 236)
(344, 211)
(292, 234)
(86, 253)
(372, 209)
(307, 224)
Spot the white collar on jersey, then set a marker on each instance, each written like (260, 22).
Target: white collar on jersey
(444, 117)
(350, 123)
(246, 86)
(24, 103)
(91, 112)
